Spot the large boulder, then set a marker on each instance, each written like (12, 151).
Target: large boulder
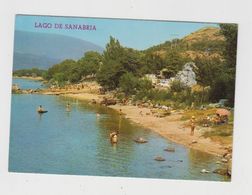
(187, 74)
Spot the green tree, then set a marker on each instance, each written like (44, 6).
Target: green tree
(230, 32)
(129, 84)
(208, 70)
(90, 63)
(174, 62)
(64, 68)
(110, 74)
(117, 60)
(153, 63)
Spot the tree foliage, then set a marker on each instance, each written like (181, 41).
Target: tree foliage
(33, 72)
(124, 68)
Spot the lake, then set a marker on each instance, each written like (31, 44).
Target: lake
(77, 142)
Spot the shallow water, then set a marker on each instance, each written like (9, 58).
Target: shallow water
(27, 84)
(77, 142)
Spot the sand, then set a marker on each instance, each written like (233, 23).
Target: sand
(170, 127)
(29, 78)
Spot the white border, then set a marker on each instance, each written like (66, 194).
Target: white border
(191, 10)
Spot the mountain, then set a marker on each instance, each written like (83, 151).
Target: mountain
(43, 50)
(24, 60)
(206, 42)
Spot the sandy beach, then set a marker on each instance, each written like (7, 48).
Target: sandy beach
(171, 127)
(30, 78)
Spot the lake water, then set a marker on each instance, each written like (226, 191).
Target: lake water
(77, 143)
(27, 84)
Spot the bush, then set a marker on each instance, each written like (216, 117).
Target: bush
(177, 86)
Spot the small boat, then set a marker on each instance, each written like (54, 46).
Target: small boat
(42, 111)
(140, 140)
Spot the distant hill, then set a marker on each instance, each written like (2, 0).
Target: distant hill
(43, 50)
(206, 42)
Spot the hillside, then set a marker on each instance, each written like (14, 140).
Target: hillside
(206, 42)
(42, 50)
(204, 34)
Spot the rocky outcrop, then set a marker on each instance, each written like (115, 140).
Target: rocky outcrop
(187, 75)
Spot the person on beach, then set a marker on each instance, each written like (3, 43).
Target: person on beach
(120, 111)
(192, 124)
(141, 113)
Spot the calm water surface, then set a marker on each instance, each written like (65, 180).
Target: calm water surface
(27, 84)
(77, 143)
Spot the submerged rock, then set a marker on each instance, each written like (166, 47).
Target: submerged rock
(140, 140)
(221, 171)
(194, 141)
(169, 149)
(229, 167)
(224, 160)
(204, 171)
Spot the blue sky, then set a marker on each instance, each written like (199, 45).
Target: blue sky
(137, 34)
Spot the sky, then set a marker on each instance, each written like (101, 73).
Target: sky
(137, 34)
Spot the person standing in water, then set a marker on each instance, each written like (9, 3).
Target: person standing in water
(68, 107)
(114, 136)
(192, 124)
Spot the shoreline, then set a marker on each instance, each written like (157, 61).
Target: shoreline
(170, 127)
(28, 78)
